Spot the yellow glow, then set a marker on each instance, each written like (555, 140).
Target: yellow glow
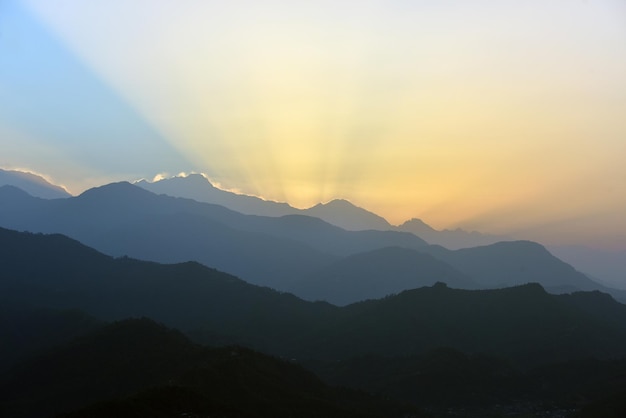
(489, 116)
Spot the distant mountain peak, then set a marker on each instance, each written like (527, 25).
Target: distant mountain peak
(338, 212)
(196, 177)
(199, 188)
(121, 185)
(193, 178)
(346, 215)
(33, 184)
(449, 238)
(416, 223)
(122, 191)
(339, 203)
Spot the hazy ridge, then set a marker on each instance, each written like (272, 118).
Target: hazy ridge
(272, 251)
(524, 325)
(32, 184)
(511, 333)
(605, 265)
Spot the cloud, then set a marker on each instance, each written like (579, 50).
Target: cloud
(160, 176)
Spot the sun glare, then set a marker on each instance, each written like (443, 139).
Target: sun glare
(453, 117)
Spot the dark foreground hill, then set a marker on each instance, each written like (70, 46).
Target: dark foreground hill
(53, 271)
(517, 349)
(137, 368)
(523, 323)
(448, 382)
(25, 332)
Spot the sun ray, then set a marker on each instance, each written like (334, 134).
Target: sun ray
(457, 113)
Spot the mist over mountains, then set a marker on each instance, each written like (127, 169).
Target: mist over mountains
(271, 251)
(362, 306)
(604, 265)
(500, 344)
(451, 239)
(433, 226)
(282, 252)
(608, 267)
(132, 221)
(55, 272)
(377, 273)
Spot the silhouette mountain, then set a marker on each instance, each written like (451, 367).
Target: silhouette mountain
(602, 266)
(176, 378)
(340, 213)
(25, 332)
(448, 382)
(451, 239)
(345, 215)
(56, 272)
(511, 263)
(391, 345)
(122, 219)
(375, 274)
(32, 184)
(607, 267)
(199, 188)
(523, 323)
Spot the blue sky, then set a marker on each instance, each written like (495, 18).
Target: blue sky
(62, 112)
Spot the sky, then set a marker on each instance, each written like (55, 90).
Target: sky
(505, 117)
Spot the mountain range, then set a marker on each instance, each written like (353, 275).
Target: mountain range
(451, 239)
(605, 266)
(281, 252)
(473, 353)
(338, 212)
(377, 273)
(138, 368)
(32, 184)
(500, 329)
(55, 272)
(122, 219)
(602, 266)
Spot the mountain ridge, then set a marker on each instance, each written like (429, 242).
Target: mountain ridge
(166, 374)
(33, 184)
(338, 212)
(451, 239)
(133, 221)
(269, 251)
(377, 273)
(217, 307)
